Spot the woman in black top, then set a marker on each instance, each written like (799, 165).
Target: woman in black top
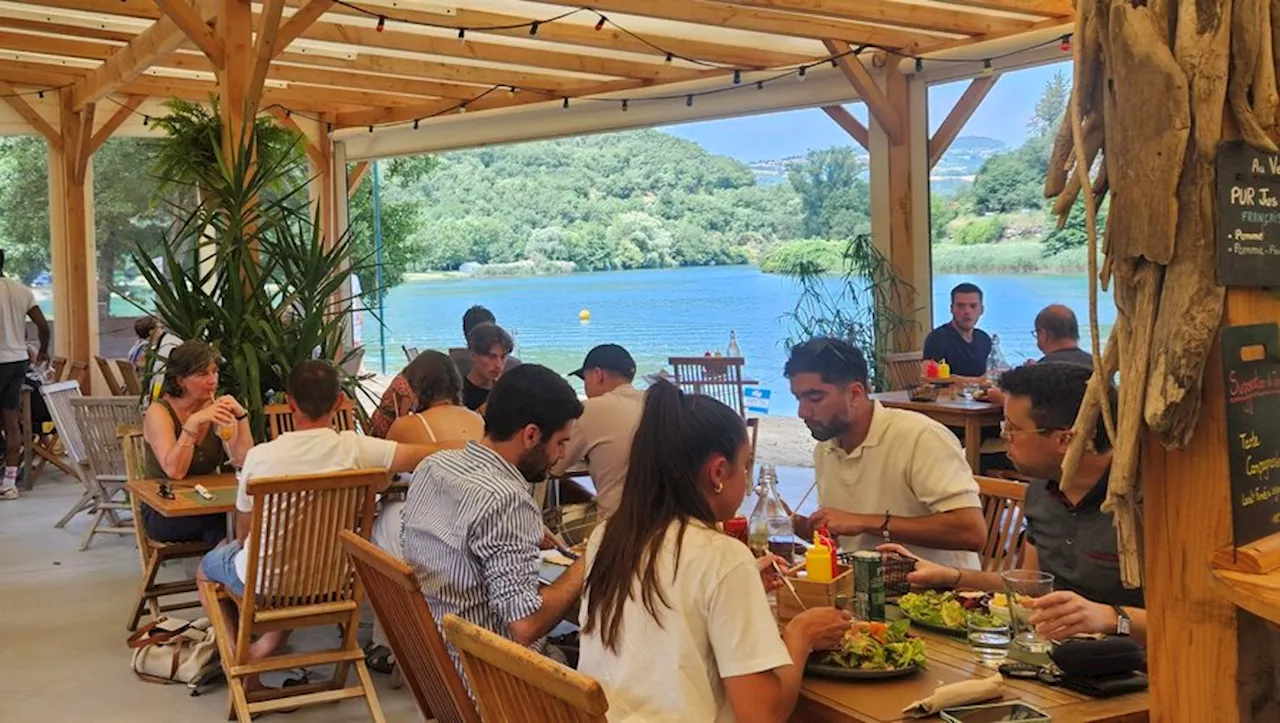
(190, 431)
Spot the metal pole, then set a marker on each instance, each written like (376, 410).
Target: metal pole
(377, 251)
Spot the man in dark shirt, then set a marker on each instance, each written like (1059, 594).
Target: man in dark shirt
(1068, 534)
(475, 316)
(489, 346)
(1058, 336)
(960, 342)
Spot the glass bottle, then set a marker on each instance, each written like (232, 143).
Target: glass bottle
(996, 363)
(733, 351)
(771, 528)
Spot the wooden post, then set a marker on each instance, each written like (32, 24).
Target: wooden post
(235, 27)
(71, 228)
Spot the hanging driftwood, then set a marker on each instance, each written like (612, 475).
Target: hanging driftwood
(1087, 418)
(1266, 99)
(1088, 80)
(1246, 39)
(1191, 301)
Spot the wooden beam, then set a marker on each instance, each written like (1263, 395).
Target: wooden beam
(73, 262)
(299, 23)
(851, 125)
(414, 68)
(868, 91)
(356, 176)
(772, 22)
(608, 37)
(311, 75)
(77, 31)
(30, 115)
(959, 115)
(126, 64)
(131, 103)
(264, 51)
(296, 98)
(283, 118)
(932, 18)
(84, 137)
(64, 47)
(901, 205)
(1046, 8)
(194, 27)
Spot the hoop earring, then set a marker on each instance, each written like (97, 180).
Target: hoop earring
(718, 488)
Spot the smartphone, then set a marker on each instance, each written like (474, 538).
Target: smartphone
(994, 713)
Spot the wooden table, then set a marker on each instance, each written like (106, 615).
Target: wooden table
(950, 661)
(182, 504)
(971, 415)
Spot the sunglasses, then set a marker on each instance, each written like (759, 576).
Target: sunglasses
(165, 491)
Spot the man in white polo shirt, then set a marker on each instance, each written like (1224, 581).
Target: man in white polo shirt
(883, 474)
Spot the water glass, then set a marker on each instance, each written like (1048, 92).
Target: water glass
(1018, 585)
(989, 640)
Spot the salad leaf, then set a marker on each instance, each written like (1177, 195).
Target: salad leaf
(937, 608)
(876, 646)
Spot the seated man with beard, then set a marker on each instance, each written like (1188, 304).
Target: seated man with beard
(472, 530)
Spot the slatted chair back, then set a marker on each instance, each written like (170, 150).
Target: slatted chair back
(57, 397)
(109, 376)
(509, 680)
(78, 371)
(57, 365)
(1002, 509)
(410, 352)
(280, 418)
(129, 377)
(98, 419)
(133, 445)
(716, 377)
(904, 369)
(411, 630)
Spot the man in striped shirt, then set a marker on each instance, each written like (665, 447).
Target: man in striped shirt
(472, 531)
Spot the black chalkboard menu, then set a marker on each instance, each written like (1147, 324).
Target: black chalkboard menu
(1248, 216)
(1251, 373)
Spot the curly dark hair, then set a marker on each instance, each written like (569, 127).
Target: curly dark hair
(1056, 390)
(191, 357)
(433, 376)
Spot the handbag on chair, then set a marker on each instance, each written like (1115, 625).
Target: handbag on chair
(170, 650)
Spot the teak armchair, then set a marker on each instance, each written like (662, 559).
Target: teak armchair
(280, 418)
(1002, 509)
(304, 581)
(421, 655)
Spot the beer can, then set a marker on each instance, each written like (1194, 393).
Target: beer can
(868, 586)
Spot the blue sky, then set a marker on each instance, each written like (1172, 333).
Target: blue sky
(1003, 115)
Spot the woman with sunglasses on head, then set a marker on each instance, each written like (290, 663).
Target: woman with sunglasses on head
(677, 626)
(191, 431)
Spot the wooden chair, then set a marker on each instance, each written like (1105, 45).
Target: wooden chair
(109, 376)
(97, 419)
(410, 352)
(903, 369)
(509, 680)
(421, 655)
(129, 377)
(57, 365)
(716, 377)
(1002, 508)
(78, 371)
(57, 397)
(280, 418)
(154, 554)
(306, 581)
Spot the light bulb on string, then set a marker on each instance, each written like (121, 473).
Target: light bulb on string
(760, 85)
(511, 91)
(919, 64)
(382, 23)
(800, 73)
(600, 23)
(462, 108)
(370, 129)
(670, 57)
(565, 104)
(462, 35)
(146, 120)
(986, 67)
(1066, 43)
(688, 101)
(835, 62)
(737, 77)
(625, 103)
(40, 95)
(533, 27)
(416, 121)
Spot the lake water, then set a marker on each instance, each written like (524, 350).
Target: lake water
(656, 314)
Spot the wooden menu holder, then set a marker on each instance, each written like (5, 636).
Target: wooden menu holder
(1258, 558)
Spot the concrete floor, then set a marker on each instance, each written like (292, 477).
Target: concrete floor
(62, 629)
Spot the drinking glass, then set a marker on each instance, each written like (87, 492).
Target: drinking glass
(1019, 585)
(989, 640)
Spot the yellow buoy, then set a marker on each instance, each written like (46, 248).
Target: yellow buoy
(584, 315)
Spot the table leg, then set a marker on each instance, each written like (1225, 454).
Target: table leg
(28, 434)
(973, 444)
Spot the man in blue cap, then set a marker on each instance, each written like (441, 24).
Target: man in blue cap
(603, 434)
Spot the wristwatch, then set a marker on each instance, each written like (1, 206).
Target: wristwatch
(1123, 621)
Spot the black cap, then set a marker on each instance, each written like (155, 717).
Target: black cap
(609, 357)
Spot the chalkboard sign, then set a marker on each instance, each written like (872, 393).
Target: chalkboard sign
(1251, 373)
(1248, 216)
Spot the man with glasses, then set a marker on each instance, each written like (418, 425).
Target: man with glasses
(1057, 336)
(882, 474)
(1068, 533)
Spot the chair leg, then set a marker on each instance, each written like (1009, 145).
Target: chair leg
(85, 503)
(145, 600)
(93, 529)
(370, 694)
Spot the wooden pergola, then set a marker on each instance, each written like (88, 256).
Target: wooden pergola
(377, 78)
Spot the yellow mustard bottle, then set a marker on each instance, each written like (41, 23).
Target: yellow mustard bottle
(944, 370)
(817, 562)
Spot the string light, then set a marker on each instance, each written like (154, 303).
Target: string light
(382, 23)
(146, 120)
(370, 129)
(1066, 44)
(565, 104)
(416, 121)
(688, 100)
(835, 62)
(737, 77)
(462, 35)
(600, 23)
(533, 27)
(40, 94)
(986, 67)
(760, 85)
(625, 103)
(919, 64)
(670, 57)
(512, 90)
(800, 73)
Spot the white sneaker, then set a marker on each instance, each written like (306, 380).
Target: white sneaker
(10, 493)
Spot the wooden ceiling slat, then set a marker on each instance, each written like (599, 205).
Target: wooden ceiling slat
(299, 23)
(185, 16)
(75, 31)
(737, 17)
(1047, 8)
(122, 114)
(66, 47)
(923, 17)
(30, 115)
(39, 75)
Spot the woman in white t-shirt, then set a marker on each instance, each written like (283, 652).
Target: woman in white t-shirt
(677, 624)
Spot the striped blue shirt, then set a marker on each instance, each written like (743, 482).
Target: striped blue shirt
(471, 535)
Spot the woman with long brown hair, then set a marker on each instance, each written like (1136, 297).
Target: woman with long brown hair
(677, 624)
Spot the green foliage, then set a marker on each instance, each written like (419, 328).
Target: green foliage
(1013, 181)
(1010, 257)
(803, 256)
(263, 300)
(1051, 107)
(860, 307)
(834, 197)
(1074, 234)
(980, 230)
(401, 217)
(24, 205)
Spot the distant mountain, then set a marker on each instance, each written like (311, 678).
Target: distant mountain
(958, 165)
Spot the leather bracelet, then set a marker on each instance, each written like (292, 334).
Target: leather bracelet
(959, 577)
(242, 417)
(188, 432)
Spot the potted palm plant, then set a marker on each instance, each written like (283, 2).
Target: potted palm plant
(246, 268)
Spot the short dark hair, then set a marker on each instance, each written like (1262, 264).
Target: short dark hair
(530, 394)
(143, 326)
(1056, 390)
(475, 316)
(1, 259)
(837, 361)
(965, 288)
(433, 376)
(1059, 322)
(314, 388)
(485, 336)
(189, 358)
